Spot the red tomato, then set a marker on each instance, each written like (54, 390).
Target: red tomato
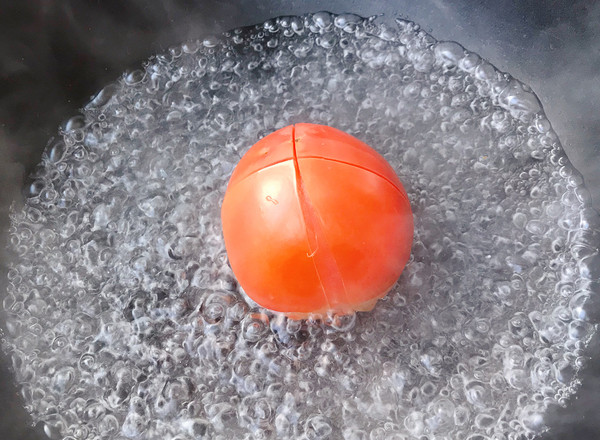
(316, 221)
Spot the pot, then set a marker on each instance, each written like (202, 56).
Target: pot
(58, 54)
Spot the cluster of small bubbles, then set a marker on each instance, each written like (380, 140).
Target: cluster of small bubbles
(124, 320)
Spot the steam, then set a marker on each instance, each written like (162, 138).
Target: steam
(556, 53)
(550, 46)
(55, 55)
(60, 53)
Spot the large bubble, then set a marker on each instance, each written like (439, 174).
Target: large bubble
(124, 320)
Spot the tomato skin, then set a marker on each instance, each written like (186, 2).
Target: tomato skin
(315, 221)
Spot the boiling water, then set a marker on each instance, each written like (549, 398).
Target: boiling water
(124, 319)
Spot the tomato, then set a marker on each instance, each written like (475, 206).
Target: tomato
(315, 222)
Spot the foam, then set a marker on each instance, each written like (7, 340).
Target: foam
(124, 320)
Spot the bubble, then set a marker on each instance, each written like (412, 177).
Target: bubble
(347, 22)
(518, 100)
(448, 53)
(532, 419)
(191, 47)
(153, 206)
(74, 123)
(477, 394)
(56, 151)
(254, 327)
(103, 97)
(469, 62)
(210, 41)
(485, 72)
(322, 20)
(343, 323)
(484, 421)
(579, 329)
(414, 423)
